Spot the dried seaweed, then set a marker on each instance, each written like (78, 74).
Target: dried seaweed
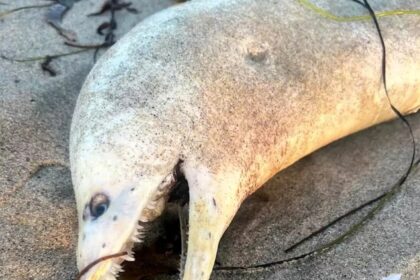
(113, 5)
(58, 8)
(37, 58)
(46, 60)
(102, 27)
(3, 14)
(108, 28)
(46, 66)
(54, 17)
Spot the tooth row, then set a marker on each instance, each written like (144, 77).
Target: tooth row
(136, 237)
(114, 271)
(116, 268)
(137, 234)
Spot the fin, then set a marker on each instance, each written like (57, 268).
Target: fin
(214, 201)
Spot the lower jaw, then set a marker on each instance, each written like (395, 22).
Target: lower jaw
(159, 253)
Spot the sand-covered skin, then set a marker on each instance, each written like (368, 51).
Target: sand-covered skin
(237, 98)
(37, 213)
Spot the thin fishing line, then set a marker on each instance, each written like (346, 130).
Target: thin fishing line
(327, 14)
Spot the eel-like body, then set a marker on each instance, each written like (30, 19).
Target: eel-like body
(227, 92)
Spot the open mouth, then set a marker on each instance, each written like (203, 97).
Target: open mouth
(156, 246)
(160, 250)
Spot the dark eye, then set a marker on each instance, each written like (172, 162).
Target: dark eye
(98, 205)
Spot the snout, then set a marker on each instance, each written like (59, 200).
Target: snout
(103, 268)
(100, 271)
(99, 257)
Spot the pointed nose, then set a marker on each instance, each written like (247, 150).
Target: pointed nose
(104, 268)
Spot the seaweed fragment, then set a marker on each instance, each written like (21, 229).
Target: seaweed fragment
(114, 5)
(46, 66)
(54, 17)
(3, 14)
(57, 10)
(108, 28)
(102, 27)
(46, 59)
(36, 58)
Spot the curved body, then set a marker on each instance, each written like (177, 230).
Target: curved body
(237, 90)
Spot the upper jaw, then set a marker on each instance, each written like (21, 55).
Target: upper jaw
(109, 269)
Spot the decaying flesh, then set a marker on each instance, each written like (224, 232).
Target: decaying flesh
(228, 93)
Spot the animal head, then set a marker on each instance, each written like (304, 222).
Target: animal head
(120, 182)
(136, 117)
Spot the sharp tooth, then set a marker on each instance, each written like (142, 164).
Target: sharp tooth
(135, 239)
(115, 269)
(128, 258)
(112, 271)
